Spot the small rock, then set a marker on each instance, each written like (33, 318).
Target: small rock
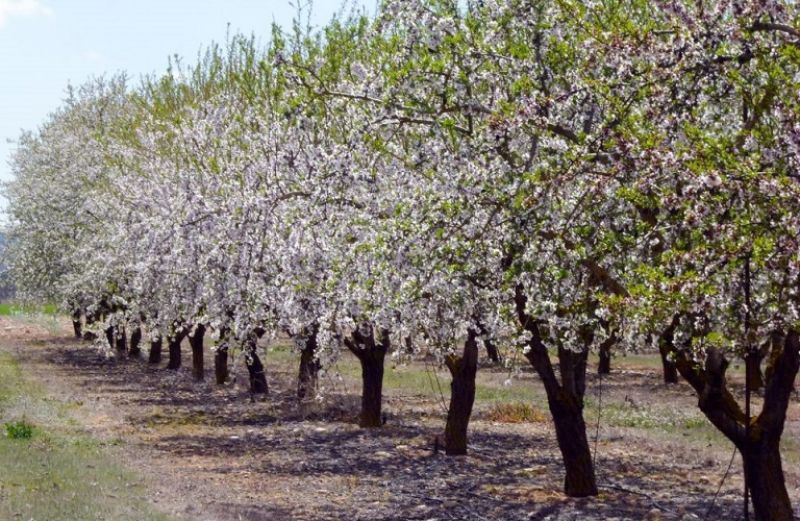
(653, 515)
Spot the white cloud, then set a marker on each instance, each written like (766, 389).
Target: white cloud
(11, 8)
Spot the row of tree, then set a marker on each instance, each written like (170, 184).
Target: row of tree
(555, 177)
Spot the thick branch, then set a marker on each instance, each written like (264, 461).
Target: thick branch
(779, 387)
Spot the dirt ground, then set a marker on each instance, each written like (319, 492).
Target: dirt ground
(215, 453)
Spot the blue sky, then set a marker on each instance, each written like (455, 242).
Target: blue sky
(46, 44)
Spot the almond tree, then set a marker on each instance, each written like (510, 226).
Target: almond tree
(713, 190)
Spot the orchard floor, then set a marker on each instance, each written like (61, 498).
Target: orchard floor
(214, 453)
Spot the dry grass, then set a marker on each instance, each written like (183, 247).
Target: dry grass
(515, 412)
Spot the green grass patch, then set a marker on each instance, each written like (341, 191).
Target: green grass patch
(51, 470)
(19, 430)
(10, 309)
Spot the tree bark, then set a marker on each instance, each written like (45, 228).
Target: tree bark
(221, 364)
(135, 350)
(154, 356)
(574, 445)
(196, 341)
(762, 465)
(77, 327)
(122, 339)
(491, 347)
(759, 444)
(90, 320)
(371, 355)
(566, 406)
(175, 349)
(109, 331)
(308, 375)
(491, 351)
(565, 400)
(604, 367)
(665, 347)
(372, 389)
(221, 371)
(670, 372)
(462, 396)
(754, 372)
(258, 377)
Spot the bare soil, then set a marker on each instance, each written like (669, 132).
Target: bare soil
(216, 453)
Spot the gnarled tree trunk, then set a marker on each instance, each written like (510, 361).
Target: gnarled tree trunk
(462, 396)
(174, 345)
(604, 367)
(221, 371)
(258, 377)
(565, 400)
(371, 354)
(154, 357)
(754, 373)
(196, 341)
(491, 348)
(665, 342)
(760, 443)
(762, 465)
(135, 350)
(372, 389)
(77, 327)
(122, 339)
(90, 321)
(308, 374)
(110, 337)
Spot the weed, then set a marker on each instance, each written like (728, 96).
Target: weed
(19, 430)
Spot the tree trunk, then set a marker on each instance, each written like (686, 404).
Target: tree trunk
(371, 354)
(76, 324)
(175, 349)
(574, 445)
(755, 375)
(135, 350)
(759, 439)
(155, 351)
(77, 328)
(372, 389)
(109, 331)
(308, 374)
(565, 400)
(196, 342)
(90, 320)
(491, 348)
(122, 340)
(491, 351)
(221, 371)
(604, 367)
(762, 466)
(665, 347)
(462, 396)
(669, 370)
(258, 378)
(221, 364)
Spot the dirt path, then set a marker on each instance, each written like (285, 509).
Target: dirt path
(211, 453)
